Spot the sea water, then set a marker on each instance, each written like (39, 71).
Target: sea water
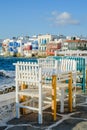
(7, 70)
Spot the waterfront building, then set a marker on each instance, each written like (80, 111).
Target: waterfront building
(12, 47)
(20, 47)
(43, 40)
(53, 46)
(15, 48)
(5, 46)
(27, 49)
(76, 44)
(34, 40)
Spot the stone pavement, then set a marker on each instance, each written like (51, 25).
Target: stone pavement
(77, 120)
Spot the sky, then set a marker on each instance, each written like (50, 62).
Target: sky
(33, 17)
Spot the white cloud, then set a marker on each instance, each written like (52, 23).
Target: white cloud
(64, 18)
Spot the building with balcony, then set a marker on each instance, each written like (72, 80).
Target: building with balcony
(76, 44)
(53, 46)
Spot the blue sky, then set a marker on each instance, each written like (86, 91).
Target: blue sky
(30, 17)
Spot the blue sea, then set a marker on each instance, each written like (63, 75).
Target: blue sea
(7, 70)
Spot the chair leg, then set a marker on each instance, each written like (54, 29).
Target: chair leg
(17, 111)
(62, 101)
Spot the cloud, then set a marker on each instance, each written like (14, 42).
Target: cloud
(63, 19)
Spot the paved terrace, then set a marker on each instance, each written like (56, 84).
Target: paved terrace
(77, 120)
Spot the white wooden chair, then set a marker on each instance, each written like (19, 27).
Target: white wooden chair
(37, 96)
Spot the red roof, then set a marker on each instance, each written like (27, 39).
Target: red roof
(76, 41)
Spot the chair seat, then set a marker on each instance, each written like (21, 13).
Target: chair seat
(31, 92)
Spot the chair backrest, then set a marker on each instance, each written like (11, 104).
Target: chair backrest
(27, 72)
(65, 65)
